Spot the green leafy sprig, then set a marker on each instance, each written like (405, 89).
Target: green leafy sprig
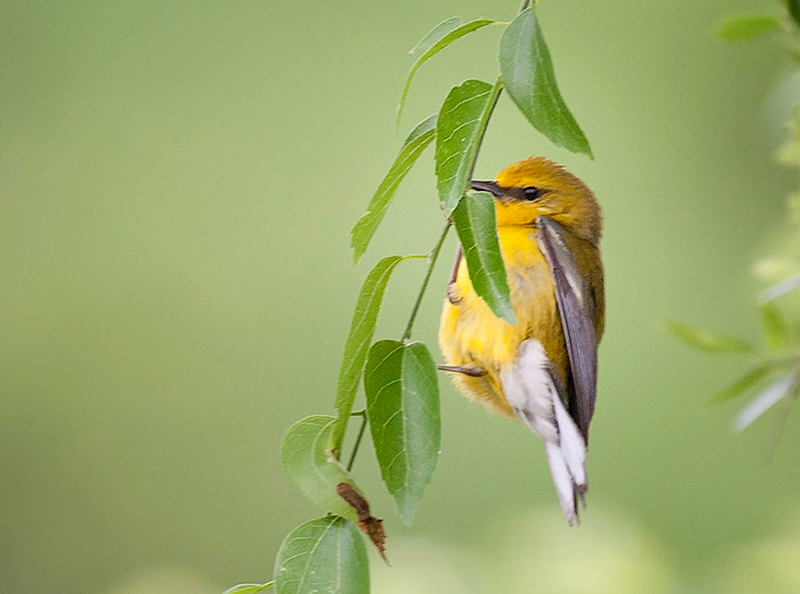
(327, 555)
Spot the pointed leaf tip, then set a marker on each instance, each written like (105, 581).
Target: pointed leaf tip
(435, 35)
(416, 142)
(435, 41)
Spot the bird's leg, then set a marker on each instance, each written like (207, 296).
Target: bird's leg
(470, 370)
(452, 290)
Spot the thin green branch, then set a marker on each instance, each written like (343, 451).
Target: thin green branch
(431, 263)
(357, 444)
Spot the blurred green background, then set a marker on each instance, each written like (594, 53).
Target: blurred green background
(177, 185)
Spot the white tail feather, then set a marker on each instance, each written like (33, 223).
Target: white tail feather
(565, 486)
(531, 390)
(572, 445)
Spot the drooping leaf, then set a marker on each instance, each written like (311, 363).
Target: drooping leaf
(776, 330)
(308, 463)
(362, 328)
(403, 410)
(747, 26)
(527, 72)
(435, 34)
(708, 341)
(415, 144)
(459, 131)
(323, 556)
(435, 41)
(742, 385)
(248, 588)
(765, 400)
(474, 219)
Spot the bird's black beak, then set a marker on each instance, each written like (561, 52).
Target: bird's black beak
(487, 186)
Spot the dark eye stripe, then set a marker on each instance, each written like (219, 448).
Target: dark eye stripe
(527, 194)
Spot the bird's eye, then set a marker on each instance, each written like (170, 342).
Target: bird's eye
(531, 193)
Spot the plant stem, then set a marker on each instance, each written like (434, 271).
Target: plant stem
(431, 263)
(357, 444)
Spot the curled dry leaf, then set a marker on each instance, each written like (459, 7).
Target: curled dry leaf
(369, 524)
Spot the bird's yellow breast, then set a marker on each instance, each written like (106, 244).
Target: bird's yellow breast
(470, 334)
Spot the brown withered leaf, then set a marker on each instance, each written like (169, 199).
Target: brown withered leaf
(369, 524)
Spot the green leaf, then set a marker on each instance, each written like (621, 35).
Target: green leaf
(742, 385)
(459, 131)
(434, 42)
(747, 26)
(708, 341)
(323, 556)
(794, 10)
(362, 328)
(527, 72)
(403, 411)
(417, 141)
(309, 464)
(474, 219)
(435, 34)
(776, 330)
(248, 588)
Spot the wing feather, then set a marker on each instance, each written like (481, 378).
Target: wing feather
(576, 320)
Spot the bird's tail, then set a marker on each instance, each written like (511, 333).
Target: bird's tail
(569, 489)
(567, 460)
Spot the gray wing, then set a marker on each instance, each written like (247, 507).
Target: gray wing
(576, 320)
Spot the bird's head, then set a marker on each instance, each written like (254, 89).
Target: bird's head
(537, 186)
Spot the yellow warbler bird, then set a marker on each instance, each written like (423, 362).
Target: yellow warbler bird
(543, 369)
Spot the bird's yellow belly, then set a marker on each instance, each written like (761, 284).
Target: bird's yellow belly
(471, 335)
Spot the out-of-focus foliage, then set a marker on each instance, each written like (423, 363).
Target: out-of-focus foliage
(776, 369)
